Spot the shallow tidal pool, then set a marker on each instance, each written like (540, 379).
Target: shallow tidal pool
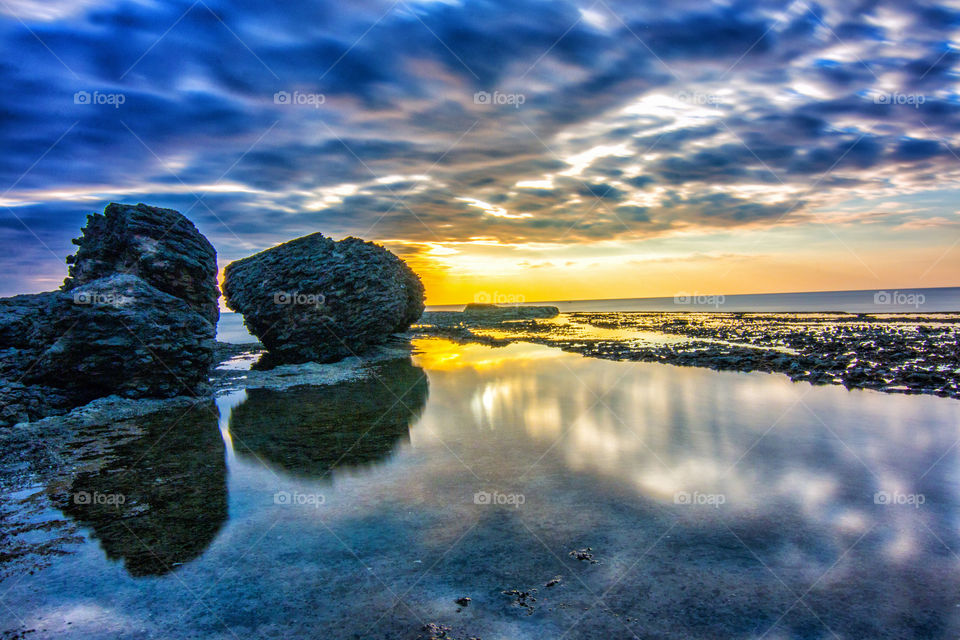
(566, 497)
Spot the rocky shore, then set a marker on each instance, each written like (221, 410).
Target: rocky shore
(895, 353)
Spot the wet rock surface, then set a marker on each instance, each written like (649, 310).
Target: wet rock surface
(116, 335)
(313, 299)
(160, 246)
(896, 353)
(136, 317)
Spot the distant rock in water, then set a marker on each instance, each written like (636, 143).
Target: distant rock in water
(509, 312)
(313, 299)
(160, 246)
(118, 326)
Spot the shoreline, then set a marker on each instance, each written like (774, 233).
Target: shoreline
(893, 353)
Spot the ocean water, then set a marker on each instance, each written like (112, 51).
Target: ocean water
(703, 504)
(230, 329)
(930, 300)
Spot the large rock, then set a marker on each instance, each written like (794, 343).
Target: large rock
(116, 335)
(160, 246)
(136, 317)
(320, 300)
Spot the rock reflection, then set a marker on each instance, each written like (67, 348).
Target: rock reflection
(307, 431)
(157, 501)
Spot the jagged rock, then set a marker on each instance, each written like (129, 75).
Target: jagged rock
(160, 246)
(320, 300)
(136, 317)
(116, 335)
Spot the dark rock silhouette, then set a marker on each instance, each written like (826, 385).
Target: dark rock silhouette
(308, 431)
(135, 318)
(160, 246)
(313, 299)
(160, 499)
(497, 313)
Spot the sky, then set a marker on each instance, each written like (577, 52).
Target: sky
(509, 151)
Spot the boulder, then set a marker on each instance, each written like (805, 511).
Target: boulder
(313, 299)
(160, 246)
(136, 317)
(116, 335)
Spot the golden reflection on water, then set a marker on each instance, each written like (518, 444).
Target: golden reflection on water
(758, 439)
(443, 355)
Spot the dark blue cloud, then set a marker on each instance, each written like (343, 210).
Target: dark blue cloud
(752, 93)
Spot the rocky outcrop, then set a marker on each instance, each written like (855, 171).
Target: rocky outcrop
(116, 335)
(136, 318)
(160, 246)
(313, 299)
(493, 312)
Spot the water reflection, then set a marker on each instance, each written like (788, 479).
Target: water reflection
(628, 459)
(160, 499)
(307, 431)
(748, 491)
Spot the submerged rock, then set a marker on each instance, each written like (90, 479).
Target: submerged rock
(160, 246)
(313, 299)
(117, 335)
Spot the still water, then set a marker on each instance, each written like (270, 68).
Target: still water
(697, 504)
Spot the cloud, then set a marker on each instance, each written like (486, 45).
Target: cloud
(645, 119)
